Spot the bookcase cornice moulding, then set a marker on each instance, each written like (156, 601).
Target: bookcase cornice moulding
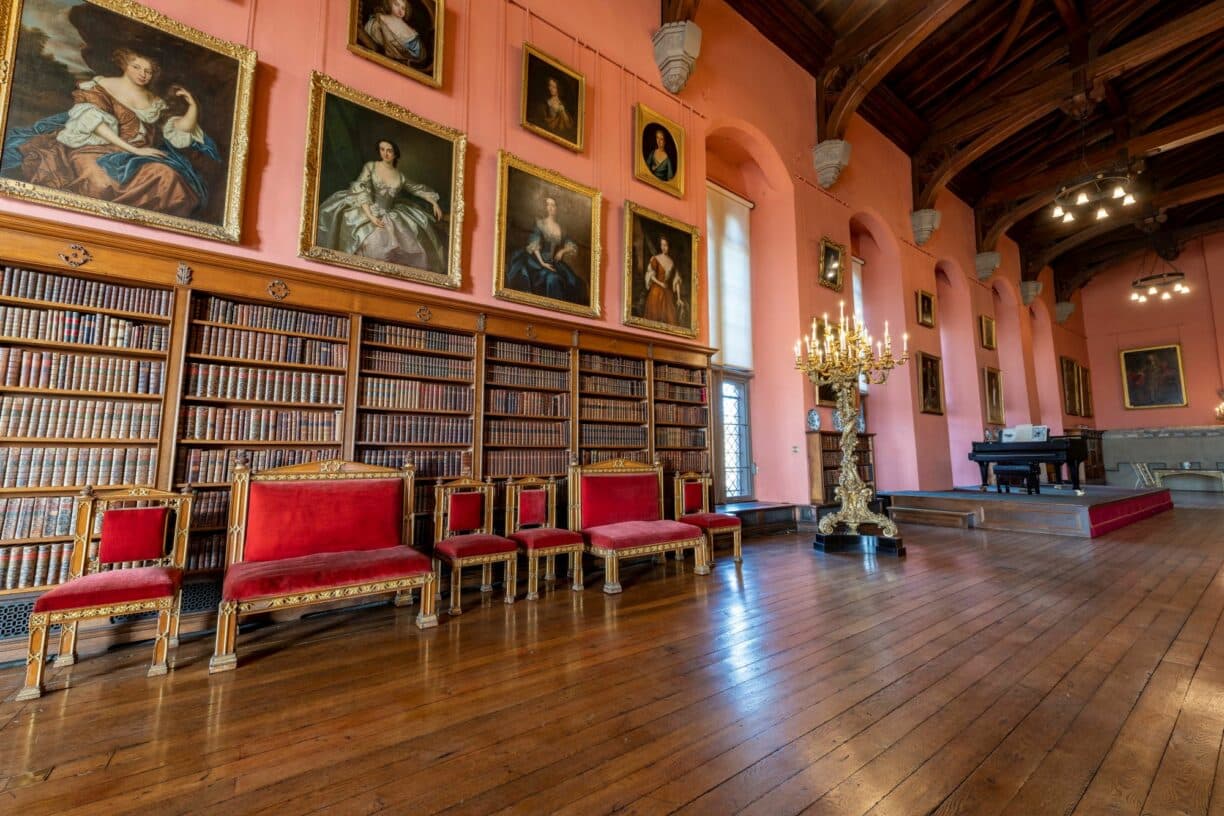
(38, 243)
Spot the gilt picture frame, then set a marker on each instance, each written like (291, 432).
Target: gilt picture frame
(383, 187)
(930, 383)
(992, 389)
(1153, 377)
(71, 64)
(407, 36)
(658, 151)
(553, 99)
(661, 272)
(832, 268)
(987, 332)
(924, 306)
(1068, 370)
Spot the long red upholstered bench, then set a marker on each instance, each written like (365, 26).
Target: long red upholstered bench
(618, 508)
(314, 533)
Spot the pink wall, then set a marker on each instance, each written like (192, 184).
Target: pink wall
(1194, 321)
(754, 127)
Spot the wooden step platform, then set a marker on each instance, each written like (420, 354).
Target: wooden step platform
(762, 518)
(935, 518)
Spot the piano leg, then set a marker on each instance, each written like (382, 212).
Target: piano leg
(985, 468)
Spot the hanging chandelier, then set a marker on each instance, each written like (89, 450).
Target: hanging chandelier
(1155, 284)
(1095, 198)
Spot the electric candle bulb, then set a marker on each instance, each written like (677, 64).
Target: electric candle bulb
(905, 343)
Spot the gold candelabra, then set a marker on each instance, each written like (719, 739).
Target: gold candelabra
(839, 355)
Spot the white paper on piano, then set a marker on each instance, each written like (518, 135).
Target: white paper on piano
(1026, 433)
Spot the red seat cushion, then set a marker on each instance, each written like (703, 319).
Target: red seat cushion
(111, 587)
(134, 534)
(542, 538)
(307, 573)
(712, 521)
(466, 546)
(625, 535)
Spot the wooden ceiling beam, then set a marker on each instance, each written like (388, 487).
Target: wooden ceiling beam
(875, 29)
(905, 39)
(1119, 19)
(677, 11)
(1001, 47)
(791, 26)
(1086, 270)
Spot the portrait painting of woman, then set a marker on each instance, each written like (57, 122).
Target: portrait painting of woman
(384, 191)
(547, 239)
(553, 99)
(659, 151)
(126, 117)
(404, 35)
(660, 272)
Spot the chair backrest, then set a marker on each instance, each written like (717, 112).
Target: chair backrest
(530, 502)
(612, 491)
(1144, 476)
(462, 506)
(318, 507)
(692, 493)
(138, 525)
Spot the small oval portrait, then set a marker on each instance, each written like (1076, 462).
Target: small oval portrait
(659, 152)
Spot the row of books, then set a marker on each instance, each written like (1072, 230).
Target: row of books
(35, 565)
(206, 552)
(501, 463)
(218, 465)
(412, 395)
(613, 436)
(686, 414)
(666, 390)
(26, 283)
(422, 339)
(696, 376)
(526, 433)
(831, 441)
(398, 428)
(210, 508)
(220, 310)
(206, 422)
(612, 365)
(596, 408)
(36, 517)
(607, 385)
(524, 353)
(427, 464)
(217, 341)
(64, 371)
(268, 384)
(73, 418)
(684, 460)
(417, 365)
(594, 457)
(70, 467)
(538, 403)
(530, 377)
(85, 328)
(680, 437)
(832, 476)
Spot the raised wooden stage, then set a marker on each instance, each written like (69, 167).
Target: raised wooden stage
(1061, 512)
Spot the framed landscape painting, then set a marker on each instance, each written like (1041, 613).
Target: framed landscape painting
(403, 35)
(383, 188)
(1152, 377)
(660, 287)
(113, 109)
(546, 239)
(658, 151)
(553, 99)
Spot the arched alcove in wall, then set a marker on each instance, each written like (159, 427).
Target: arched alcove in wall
(741, 159)
(962, 379)
(1045, 361)
(1010, 344)
(891, 406)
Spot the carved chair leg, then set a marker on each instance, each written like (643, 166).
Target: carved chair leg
(737, 546)
(403, 598)
(659, 558)
(511, 578)
(576, 570)
(36, 658)
(428, 616)
(572, 558)
(533, 576)
(611, 575)
(176, 614)
(486, 577)
(699, 558)
(709, 537)
(550, 568)
(67, 649)
(224, 658)
(456, 590)
(161, 643)
(437, 581)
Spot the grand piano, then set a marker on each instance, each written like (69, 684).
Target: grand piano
(1057, 451)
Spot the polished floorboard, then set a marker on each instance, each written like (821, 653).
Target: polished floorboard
(984, 673)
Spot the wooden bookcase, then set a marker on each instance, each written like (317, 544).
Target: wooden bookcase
(681, 397)
(527, 409)
(824, 463)
(83, 373)
(613, 401)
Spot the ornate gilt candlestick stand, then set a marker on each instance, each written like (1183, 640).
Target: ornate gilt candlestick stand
(839, 356)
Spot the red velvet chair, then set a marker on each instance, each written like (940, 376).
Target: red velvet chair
(136, 567)
(692, 507)
(531, 519)
(463, 537)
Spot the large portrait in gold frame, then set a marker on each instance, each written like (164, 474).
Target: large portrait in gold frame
(553, 99)
(930, 383)
(992, 385)
(1152, 377)
(404, 35)
(1069, 376)
(661, 262)
(832, 264)
(110, 108)
(546, 244)
(658, 151)
(383, 188)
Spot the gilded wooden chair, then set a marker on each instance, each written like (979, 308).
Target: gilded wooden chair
(463, 537)
(137, 566)
(531, 523)
(692, 497)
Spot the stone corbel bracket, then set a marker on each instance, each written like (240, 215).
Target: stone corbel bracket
(676, 48)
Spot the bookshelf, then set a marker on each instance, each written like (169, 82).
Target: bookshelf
(83, 367)
(263, 385)
(613, 419)
(824, 463)
(681, 416)
(527, 409)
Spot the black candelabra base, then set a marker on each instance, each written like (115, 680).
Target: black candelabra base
(859, 542)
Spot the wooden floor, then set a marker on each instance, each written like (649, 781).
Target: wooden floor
(985, 673)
